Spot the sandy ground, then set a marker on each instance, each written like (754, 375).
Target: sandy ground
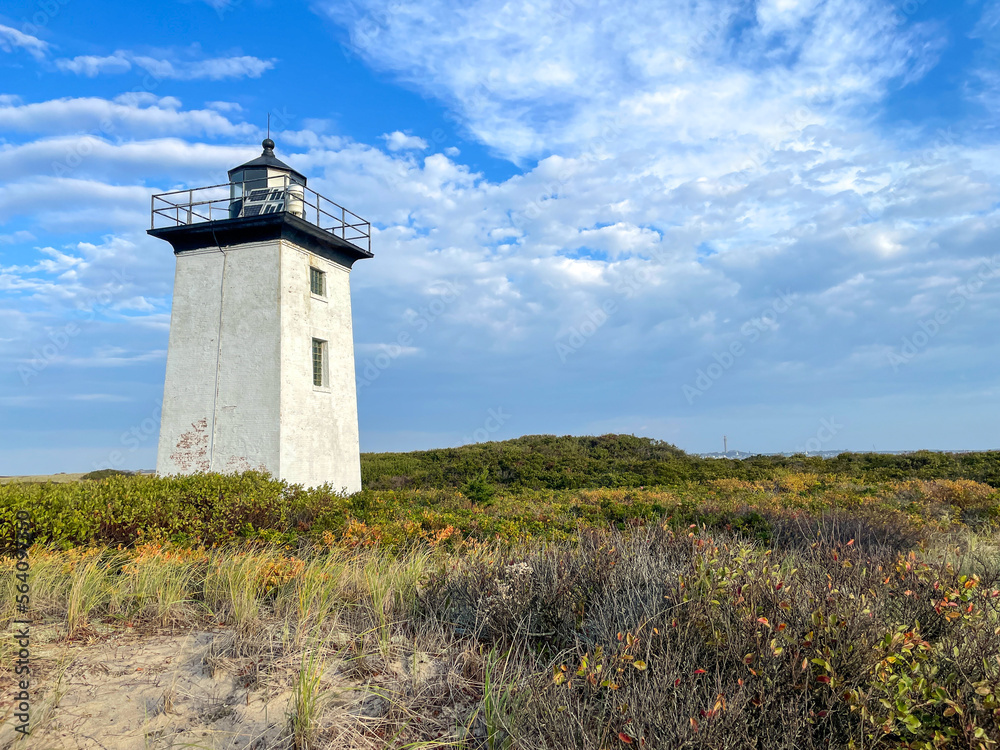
(131, 691)
(122, 690)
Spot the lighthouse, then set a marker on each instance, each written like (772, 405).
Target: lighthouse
(260, 364)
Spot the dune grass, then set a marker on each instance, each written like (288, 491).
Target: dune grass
(836, 633)
(767, 608)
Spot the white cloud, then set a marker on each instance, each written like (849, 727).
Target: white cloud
(211, 69)
(135, 114)
(777, 15)
(11, 39)
(100, 397)
(16, 238)
(85, 157)
(224, 106)
(533, 78)
(116, 356)
(986, 90)
(681, 171)
(92, 65)
(163, 68)
(399, 141)
(391, 348)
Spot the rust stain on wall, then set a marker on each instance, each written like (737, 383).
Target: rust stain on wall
(191, 451)
(238, 464)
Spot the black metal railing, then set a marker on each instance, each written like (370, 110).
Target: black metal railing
(233, 200)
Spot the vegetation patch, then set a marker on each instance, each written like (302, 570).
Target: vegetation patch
(517, 603)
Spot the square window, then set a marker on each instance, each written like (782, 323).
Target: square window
(317, 281)
(319, 363)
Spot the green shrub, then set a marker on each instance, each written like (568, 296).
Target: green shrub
(215, 509)
(479, 489)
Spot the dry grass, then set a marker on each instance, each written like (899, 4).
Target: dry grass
(652, 638)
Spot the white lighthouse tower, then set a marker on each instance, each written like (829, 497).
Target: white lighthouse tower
(260, 367)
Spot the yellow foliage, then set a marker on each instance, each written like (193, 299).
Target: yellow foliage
(798, 482)
(963, 493)
(358, 533)
(733, 485)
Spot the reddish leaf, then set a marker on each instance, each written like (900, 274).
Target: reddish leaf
(625, 738)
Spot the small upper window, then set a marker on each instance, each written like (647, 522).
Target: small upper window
(317, 281)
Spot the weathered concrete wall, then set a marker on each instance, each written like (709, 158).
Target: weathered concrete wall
(319, 426)
(187, 419)
(220, 397)
(239, 390)
(246, 428)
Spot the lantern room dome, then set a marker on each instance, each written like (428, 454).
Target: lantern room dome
(265, 165)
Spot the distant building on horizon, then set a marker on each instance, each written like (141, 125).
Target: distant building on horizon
(260, 365)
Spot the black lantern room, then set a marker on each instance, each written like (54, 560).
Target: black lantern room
(265, 185)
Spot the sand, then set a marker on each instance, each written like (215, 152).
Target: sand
(125, 690)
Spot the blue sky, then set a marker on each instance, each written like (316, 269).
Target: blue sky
(773, 220)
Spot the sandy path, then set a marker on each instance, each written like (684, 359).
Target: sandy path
(124, 690)
(130, 691)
